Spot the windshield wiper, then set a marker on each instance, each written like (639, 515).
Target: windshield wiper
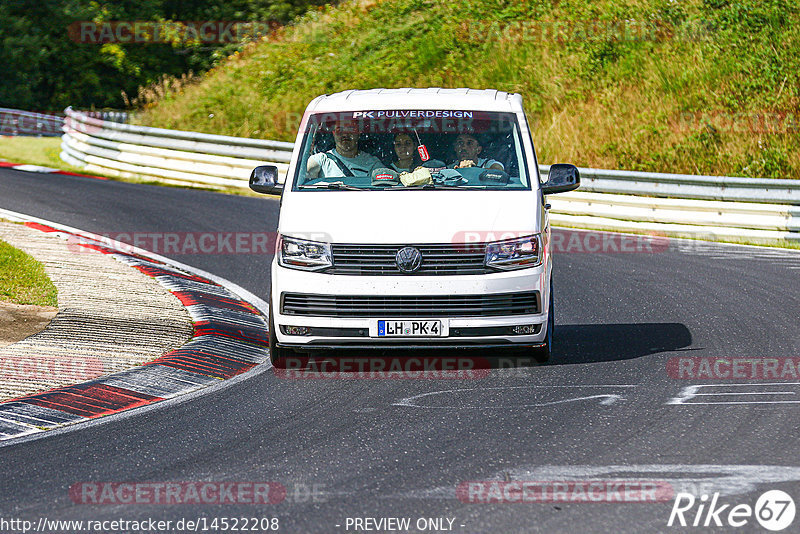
(335, 186)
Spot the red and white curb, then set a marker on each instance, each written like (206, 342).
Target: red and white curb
(44, 170)
(230, 338)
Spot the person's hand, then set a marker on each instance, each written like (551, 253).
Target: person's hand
(465, 163)
(312, 168)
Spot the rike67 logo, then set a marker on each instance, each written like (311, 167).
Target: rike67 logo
(774, 510)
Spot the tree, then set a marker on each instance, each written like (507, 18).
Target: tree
(46, 68)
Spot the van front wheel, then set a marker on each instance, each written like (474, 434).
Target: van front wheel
(277, 355)
(542, 354)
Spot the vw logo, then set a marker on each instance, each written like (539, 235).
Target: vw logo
(408, 259)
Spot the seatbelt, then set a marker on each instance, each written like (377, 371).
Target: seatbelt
(339, 163)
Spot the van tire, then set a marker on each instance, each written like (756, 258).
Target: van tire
(277, 355)
(542, 354)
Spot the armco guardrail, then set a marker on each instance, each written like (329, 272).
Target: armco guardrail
(16, 122)
(713, 207)
(758, 222)
(127, 150)
(690, 186)
(718, 207)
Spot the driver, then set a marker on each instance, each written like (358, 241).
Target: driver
(467, 149)
(345, 159)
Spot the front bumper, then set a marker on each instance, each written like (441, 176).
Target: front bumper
(462, 332)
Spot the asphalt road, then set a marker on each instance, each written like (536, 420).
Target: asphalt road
(605, 409)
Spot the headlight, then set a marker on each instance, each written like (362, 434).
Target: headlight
(305, 255)
(515, 254)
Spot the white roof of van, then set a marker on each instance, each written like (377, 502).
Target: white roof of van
(409, 98)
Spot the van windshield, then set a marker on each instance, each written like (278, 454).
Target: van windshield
(412, 149)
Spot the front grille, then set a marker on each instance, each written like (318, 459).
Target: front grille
(442, 259)
(491, 305)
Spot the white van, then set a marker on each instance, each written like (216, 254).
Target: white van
(413, 218)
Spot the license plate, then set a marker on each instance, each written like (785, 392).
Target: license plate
(404, 328)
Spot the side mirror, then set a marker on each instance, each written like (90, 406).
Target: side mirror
(562, 177)
(264, 179)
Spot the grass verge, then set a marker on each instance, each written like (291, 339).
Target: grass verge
(42, 151)
(45, 151)
(697, 87)
(23, 280)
